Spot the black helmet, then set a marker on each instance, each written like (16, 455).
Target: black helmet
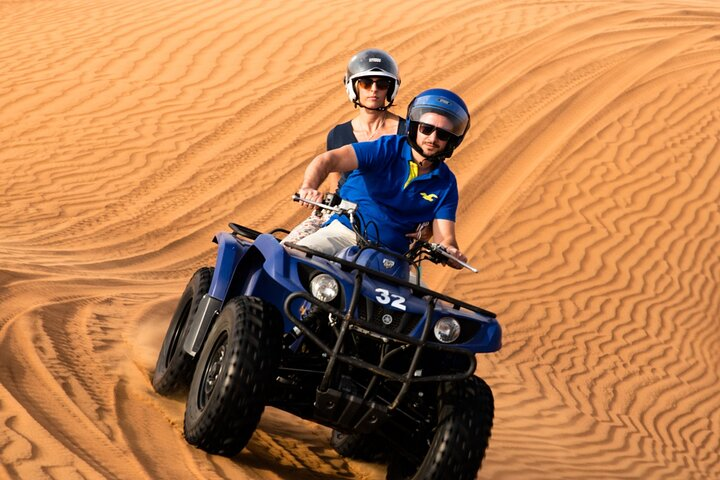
(445, 103)
(371, 63)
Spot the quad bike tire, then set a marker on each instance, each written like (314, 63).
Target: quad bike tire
(174, 367)
(457, 446)
(366, 447)
(236, 368)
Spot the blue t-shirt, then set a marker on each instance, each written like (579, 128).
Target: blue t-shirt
(390, 202)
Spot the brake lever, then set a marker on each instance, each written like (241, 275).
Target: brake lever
(343, 207)
(439, 249)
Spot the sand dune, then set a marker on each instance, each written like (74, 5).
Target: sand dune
(131, 132)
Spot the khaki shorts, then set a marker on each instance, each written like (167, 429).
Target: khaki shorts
(308, 226)
(330, 239)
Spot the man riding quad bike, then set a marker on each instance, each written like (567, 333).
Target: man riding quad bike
(346, 341)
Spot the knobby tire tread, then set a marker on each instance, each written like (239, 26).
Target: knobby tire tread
(458, 446)
(230, 418)
(176, 375)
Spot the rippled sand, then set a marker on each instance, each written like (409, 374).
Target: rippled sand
(130, 132)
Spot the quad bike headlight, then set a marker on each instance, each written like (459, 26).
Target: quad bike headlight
(324, 287)
(447, 330)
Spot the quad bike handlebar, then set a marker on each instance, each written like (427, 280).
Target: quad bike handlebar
(436, 253)
(420, 250)
(331, 203)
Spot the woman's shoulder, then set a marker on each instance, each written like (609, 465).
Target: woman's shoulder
(342, 126)
(340, 135)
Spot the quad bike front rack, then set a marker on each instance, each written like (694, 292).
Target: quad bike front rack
(343, 409)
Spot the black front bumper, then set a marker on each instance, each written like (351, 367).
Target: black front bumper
(352, 412)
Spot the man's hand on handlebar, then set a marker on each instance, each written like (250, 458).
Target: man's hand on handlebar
(423, 232)
(311, 194)
(457, 254)
(440, 254)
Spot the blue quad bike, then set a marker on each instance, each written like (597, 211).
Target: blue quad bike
(353, 342)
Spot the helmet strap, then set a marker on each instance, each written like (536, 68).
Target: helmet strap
(378, 109)
(434, 160)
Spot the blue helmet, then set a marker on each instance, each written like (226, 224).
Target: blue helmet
(445, 103)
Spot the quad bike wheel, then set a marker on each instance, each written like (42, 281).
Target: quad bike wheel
(174, 367)
(236, 367)
(457, 446)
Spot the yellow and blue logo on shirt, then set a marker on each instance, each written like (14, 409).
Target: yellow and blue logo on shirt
(429, 197)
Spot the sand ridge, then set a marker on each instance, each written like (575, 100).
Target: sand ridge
(131, 132)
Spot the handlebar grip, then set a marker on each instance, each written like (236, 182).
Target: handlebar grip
(437, 248)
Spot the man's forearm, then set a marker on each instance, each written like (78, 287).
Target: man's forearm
(342, 159)
(444, 233)
(316, 172)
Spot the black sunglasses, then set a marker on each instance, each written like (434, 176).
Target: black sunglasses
(367, 83)
(427, 129)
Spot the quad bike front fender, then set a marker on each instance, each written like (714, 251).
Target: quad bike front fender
(229, 272)
(230, 251)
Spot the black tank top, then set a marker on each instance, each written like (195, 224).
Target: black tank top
(342, 135)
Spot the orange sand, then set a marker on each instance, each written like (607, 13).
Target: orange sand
(131, 131)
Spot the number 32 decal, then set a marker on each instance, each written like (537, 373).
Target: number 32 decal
(384, 297)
